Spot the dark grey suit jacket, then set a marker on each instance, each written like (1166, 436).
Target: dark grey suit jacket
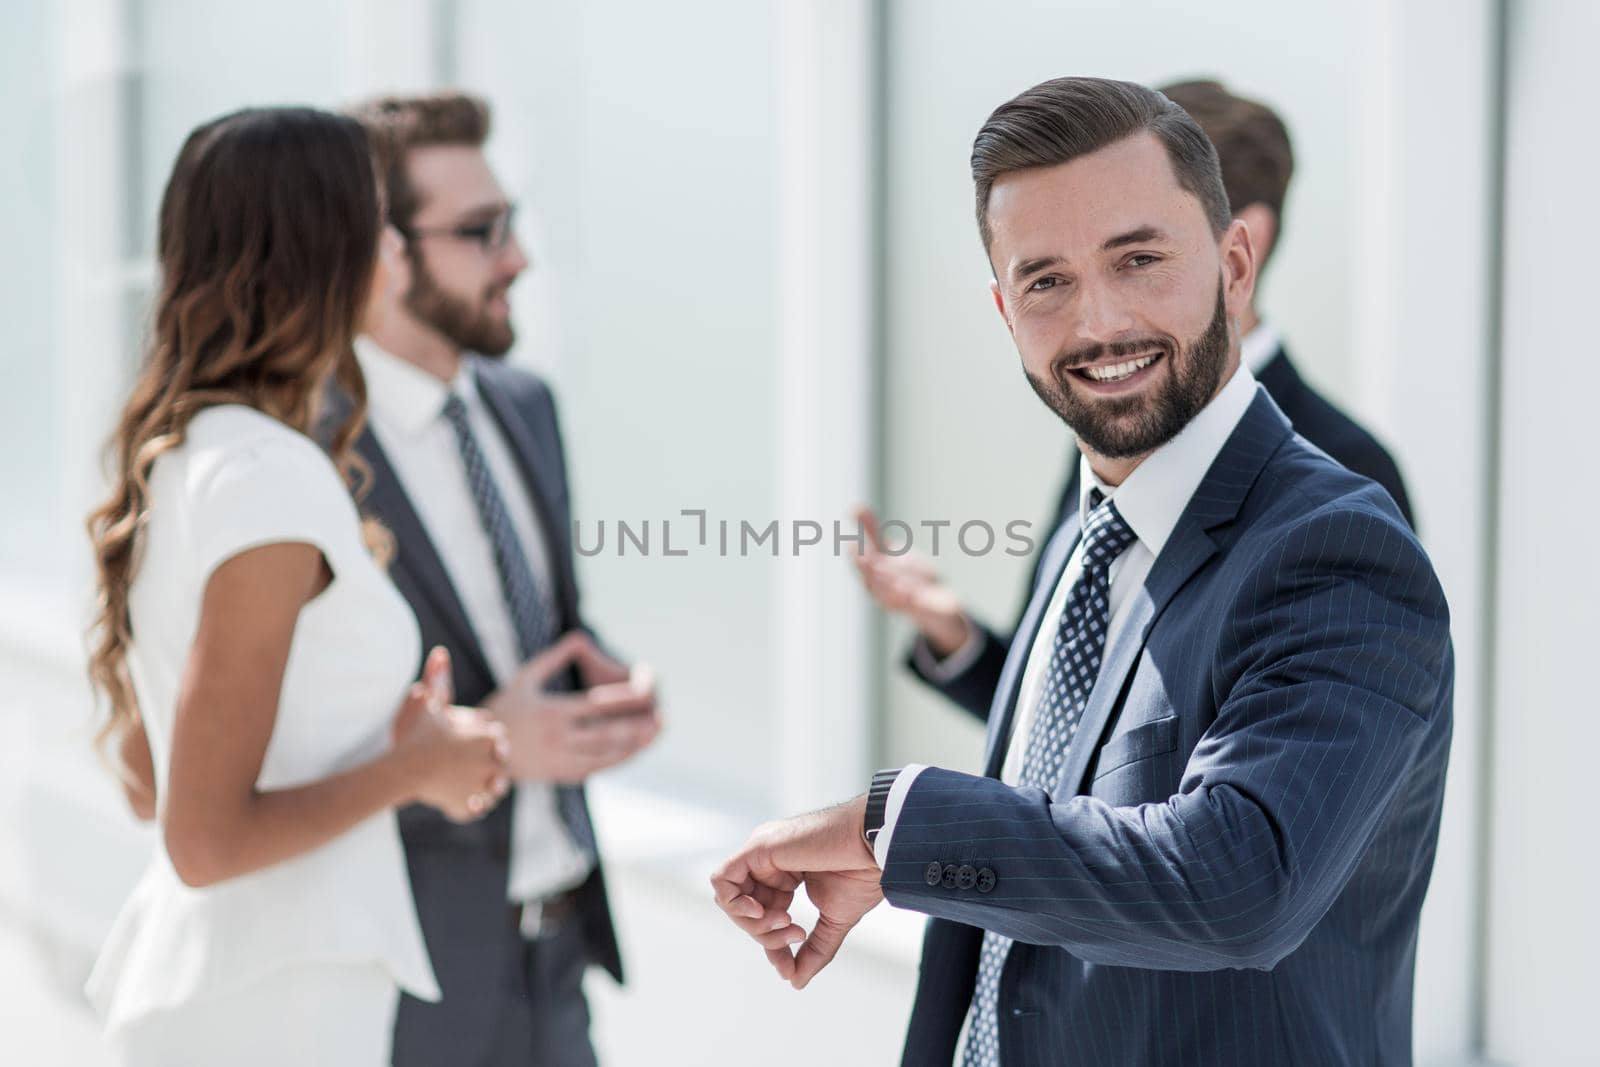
(459, 873)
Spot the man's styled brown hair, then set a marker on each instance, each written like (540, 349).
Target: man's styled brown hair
(397, 124)
(1251, 140)
(1059, 120)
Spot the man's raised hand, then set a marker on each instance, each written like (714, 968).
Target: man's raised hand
(907, 584)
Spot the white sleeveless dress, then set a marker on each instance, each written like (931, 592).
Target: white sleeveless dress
(300, 962)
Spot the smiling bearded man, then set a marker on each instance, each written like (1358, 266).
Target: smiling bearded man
(1216, 756)
(1132, 424)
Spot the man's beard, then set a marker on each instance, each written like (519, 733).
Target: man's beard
(469, 327)
(1124, 427)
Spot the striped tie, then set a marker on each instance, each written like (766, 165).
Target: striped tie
(532, 614)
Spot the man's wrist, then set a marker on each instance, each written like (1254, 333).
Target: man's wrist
(942, 669)
(948, 636)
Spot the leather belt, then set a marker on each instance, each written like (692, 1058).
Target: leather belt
(546, 916)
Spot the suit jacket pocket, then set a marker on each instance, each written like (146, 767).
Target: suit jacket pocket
(1148, 739)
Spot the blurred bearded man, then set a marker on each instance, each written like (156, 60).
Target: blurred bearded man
(468, 476)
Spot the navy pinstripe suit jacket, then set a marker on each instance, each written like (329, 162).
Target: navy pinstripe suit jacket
(1231, 867)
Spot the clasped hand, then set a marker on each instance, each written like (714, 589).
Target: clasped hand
(564, 737)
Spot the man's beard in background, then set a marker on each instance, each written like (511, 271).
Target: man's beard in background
(1103, 425)
(470, 328)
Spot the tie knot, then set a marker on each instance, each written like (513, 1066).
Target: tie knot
(455, 409)
(1106, 534)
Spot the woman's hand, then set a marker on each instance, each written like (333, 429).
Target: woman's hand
(456, 757)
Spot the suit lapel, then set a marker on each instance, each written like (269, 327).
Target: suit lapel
(415, 554)
(542, 475)
(1216, 501)
(1185, 552)
(1052, 562)
(416, 563)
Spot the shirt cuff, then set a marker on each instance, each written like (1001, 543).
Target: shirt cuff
(953, 666)
(891, 810)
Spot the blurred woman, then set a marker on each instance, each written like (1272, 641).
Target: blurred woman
(257, 660)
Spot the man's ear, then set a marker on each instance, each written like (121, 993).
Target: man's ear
(395, 259)
(1262, 222)
(1238, 268)
(1000, 304)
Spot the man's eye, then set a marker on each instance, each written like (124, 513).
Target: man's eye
(1142, 260)
(476, 233)
(1047, 282)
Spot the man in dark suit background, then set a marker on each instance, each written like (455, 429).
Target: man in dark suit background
(1257, 160)
(469, 477)
(960, 656)
(1216, 754)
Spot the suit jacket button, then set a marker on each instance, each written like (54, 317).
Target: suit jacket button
(934, 874)
(986, 880)
(951, 873)
(966, 877)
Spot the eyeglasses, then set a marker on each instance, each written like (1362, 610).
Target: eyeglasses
(491, 236)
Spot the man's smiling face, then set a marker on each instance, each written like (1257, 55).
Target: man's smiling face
(1118, 293)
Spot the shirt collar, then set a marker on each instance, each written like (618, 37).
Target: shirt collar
(404, 397)
(1259, 346)
(1154, 496)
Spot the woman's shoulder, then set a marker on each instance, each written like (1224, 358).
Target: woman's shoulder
(238, 464)
(236, 431)
(236, 443)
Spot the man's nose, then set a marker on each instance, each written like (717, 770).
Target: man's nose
(1102, 315)
(513, 260)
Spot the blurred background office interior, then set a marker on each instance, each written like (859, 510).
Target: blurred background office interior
(758, 291)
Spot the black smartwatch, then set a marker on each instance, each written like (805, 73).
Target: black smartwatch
(877, 804)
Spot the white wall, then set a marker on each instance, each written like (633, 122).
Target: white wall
(1545, 926)
(30, 384)
(1421, 176)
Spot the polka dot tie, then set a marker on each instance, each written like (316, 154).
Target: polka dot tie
(1080, 641)
(532, 615)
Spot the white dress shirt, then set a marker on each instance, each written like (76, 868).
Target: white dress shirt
(1150, 500)
(406, 413)
(1258, 348)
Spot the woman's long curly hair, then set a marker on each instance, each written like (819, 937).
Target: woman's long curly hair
(268, 245)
